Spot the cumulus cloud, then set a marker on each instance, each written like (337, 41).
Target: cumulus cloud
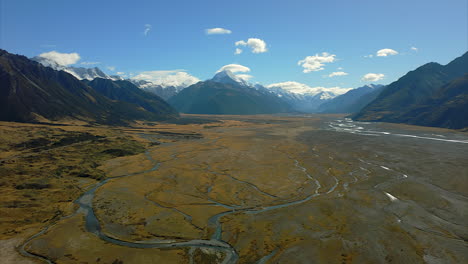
(62, 59)
(245, 77)
(241, 43)
(90, 62)
(120, 73)
(372, 77)
(178, 78)
(238, 51)
(111, 68)
(300, 88)
(316, 62)
(234, 68)
(369, 56)
(147, 29)
(217, 31)
(386, 52)
(414, 49)
(340, 73)
(255, 44)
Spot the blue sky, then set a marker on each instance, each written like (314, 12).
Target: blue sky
(112, 33)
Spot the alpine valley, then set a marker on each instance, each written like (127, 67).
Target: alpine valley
(97, 168)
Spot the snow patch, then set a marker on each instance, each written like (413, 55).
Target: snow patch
(391, 197)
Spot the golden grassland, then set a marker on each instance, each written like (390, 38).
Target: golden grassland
(244, 166)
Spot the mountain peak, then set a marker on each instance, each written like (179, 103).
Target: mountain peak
(78, 72)
(224, 75)
(372, 86)
(86, 73)
(227, 76)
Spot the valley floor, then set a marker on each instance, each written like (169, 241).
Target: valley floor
(234, 189)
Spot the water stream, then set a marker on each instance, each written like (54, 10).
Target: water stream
(92, 225)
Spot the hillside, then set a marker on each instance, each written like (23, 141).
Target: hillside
(352, 101)
(415, 90)
(447, 108)
(211, 97)
(30, 92)
(128, 92)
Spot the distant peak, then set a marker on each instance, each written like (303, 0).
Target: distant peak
(227, 76)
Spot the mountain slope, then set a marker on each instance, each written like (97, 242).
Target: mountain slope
(228, 77)
(30, 91)
(164, 92)
(352, 101)
(86, 73)
(412, 90)
(78, 72)
(447, 108)
(127, 92)
(211, 97)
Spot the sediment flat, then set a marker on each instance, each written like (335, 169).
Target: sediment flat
(236, 189)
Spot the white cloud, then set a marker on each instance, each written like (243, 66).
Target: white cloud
(300, 88)
(369, 56)
(257, 45)
(241, 43)
(414, 49)
(234, 68)
(245, 77)
(238, 51)
(120, 73)
(90, 62)
(316, 62)
(386, 52)
(178, 78)
(111, 68)
(147, 29)
(373, 77)
(217, 31)
(340, 73)
(340, 68)
(62, 59)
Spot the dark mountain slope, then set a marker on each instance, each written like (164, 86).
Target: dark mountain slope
(412, 91)
(211, 97)
(448, 108)
(352, 101)
(128, 92)
(29, 90)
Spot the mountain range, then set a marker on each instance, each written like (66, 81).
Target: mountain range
(38, 89)
(126, 91)
(31, 92)
(352, 101)
(80, 73)
(299, 102)
(226, 94)
(431, 95)
(305, 102)
(164, 92)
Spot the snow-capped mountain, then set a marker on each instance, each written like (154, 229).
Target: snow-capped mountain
(163, 91)
(78, 72)
(352, 101)
(304, 98)
(227, 93)
(86, 73)
(167, 87)
(227, 76)
(117, 78)
(300, 97)
(164, 83)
